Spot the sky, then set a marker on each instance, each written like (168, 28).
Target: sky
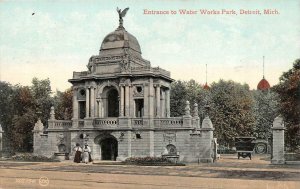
(61, 36)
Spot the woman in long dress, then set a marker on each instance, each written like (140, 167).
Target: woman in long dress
(78, 151)
(86, 153)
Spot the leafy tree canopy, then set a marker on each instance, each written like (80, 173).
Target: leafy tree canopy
(288, 90)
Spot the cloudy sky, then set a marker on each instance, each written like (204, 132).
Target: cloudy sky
(60, 37)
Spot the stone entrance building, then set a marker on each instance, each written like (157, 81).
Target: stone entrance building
(121, 108)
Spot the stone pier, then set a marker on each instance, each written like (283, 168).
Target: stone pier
(278, 141)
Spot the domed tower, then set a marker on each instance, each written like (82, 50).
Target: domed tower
(119, 82)
(263, 84)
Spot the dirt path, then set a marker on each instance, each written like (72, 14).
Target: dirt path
(226, 173)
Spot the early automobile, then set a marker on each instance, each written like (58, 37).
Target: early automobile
(244, 146)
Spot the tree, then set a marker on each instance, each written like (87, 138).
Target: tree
(177, 98)
(41, 92)
(191, 91)
(29, 104)
(289, 106)
(63, 102)
(231, 111)
(22, 131)
(265, 111)
(7, 112)
(23, 118)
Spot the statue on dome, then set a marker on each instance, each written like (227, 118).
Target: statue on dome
(121, 15)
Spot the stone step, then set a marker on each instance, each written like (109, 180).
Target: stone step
(103, 162)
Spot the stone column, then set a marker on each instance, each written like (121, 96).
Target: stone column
(157, 100)
(1, 140)
(101, 111)
(92, 101)
(129, 143)
(37, 139)
(196, 119)
(87, 103)
(278, 141)
(207, 139)
(151, 99)
(163, 104)
(121, 100)
(75, 104)
(131, 102)
(187, 118)
(167, 103)
(146, 100)
(127, 100)
(96, 107)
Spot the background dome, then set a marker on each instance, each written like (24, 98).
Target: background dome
(206, 87)
(120, 39)
(263, 84)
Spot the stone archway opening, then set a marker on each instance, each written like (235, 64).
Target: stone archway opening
(109, 149)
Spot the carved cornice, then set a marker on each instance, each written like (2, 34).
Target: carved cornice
(117, 58)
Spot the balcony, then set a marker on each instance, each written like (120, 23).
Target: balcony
(115, 123)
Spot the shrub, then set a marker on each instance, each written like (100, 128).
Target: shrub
(32, 157)
(147, 160)
(160, 161)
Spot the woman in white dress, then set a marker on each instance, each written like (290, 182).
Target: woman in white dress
(86, 153)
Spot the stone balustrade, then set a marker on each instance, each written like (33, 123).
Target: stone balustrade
(81, 123)
(58, 124)
(102, 122)
(113, 122)
(169, 122)
(146, 69)
(62, 123)
(137, 122)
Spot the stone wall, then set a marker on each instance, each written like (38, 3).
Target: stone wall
(135, 137)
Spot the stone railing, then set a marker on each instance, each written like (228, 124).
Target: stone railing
(161, 71)
(169, 122)
(137, 122)
(145, 69)
(79, 74)
(81, 123)
(62, 123)
(102, 122)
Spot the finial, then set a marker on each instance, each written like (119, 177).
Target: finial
(195, 110)
(187, 108)
(206, 73)
(52, 113)
(121, 15)
(263, 67)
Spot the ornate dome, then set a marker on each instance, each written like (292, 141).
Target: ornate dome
(120, 38)
(263, 84)
(206, 87)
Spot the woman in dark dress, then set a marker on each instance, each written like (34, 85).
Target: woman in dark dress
(78, 151)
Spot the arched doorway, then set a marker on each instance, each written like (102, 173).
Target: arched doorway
(112, 103)
(109, 149)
